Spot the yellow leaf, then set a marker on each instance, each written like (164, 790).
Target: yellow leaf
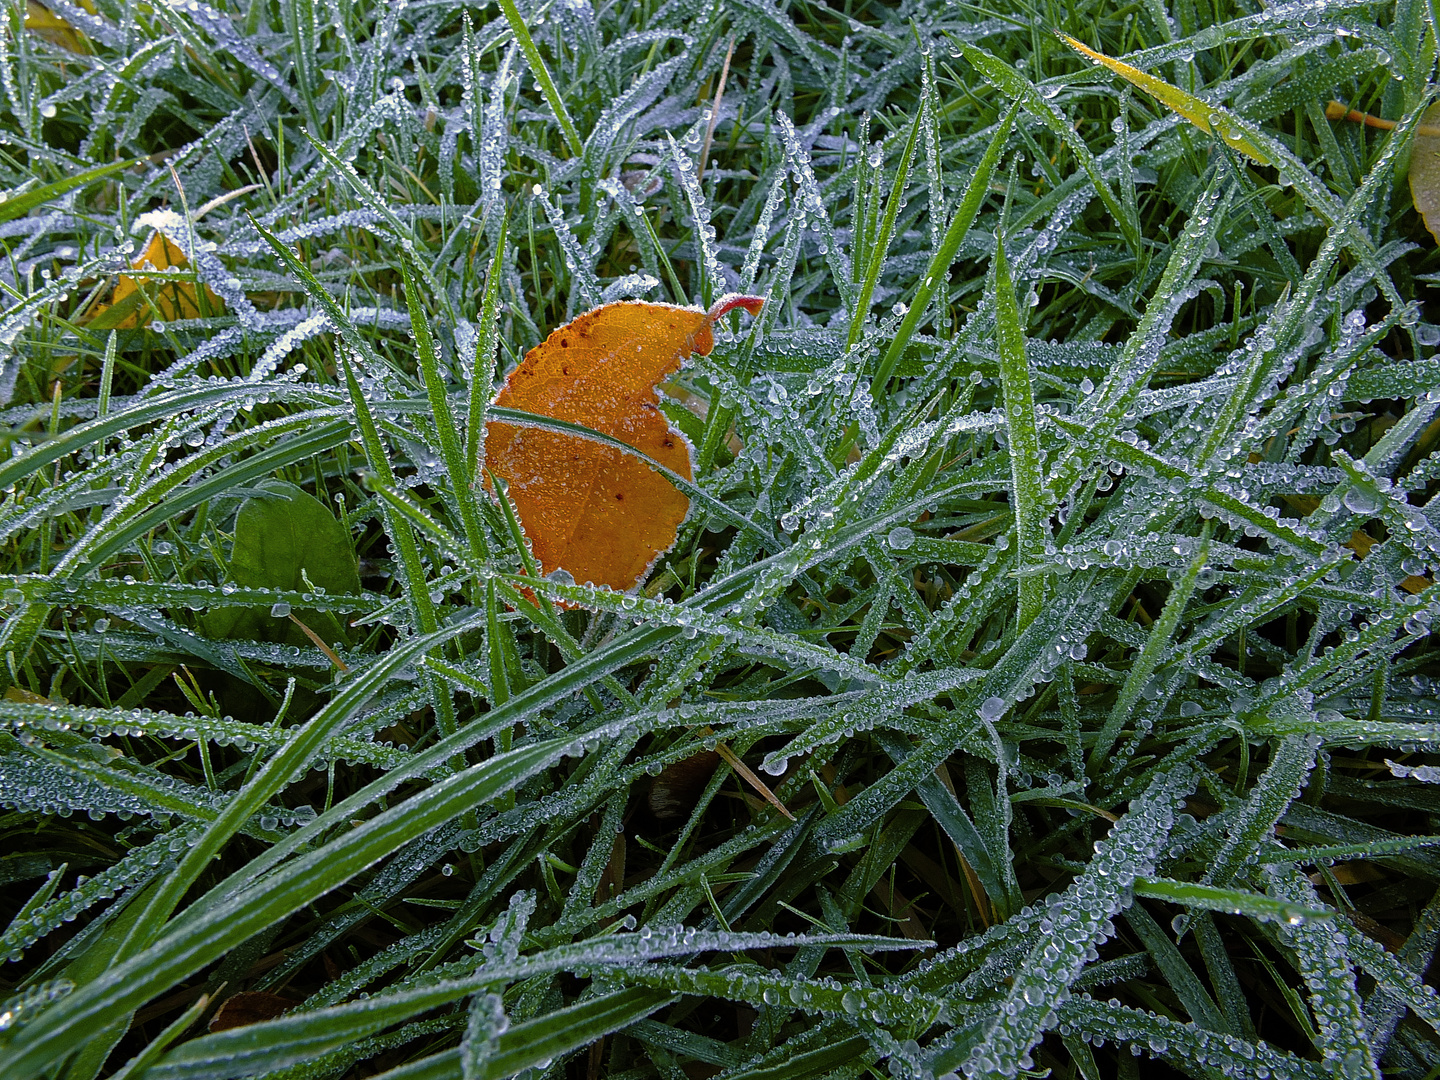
(1425, 171)
(602, 514)
(17, 693)
(1208, 118)
(44, 22)
(172, 299)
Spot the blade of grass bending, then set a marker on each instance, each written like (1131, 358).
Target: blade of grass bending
(939, 267)
(1229, 901)
(482, 371)
(592, 667)
(1254, 822)
(1322, 956)
(261, 1048)
(95, 432)
(887, 233)
(544, 1038)
(1027, 481)
(951, 816)
(1208, 118)
(370, 198)
(625, 649)
(273, 777)
(542, 76)
(1008, 81)
(1197, 1051)
(137, 1065)
(318, 295)
(1081, 920)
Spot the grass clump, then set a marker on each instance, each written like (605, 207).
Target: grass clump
(1063, 557)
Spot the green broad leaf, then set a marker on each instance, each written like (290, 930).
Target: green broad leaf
(287, 540)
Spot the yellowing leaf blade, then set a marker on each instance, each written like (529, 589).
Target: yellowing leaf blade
(1208, 118)
(171, 299)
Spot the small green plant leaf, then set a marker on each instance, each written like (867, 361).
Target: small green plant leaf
(287, 539)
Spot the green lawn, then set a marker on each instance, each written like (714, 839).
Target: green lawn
(1061, 552)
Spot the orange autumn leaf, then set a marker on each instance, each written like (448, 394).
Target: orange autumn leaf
(599, 513)
(1425, 171)
(172, 299)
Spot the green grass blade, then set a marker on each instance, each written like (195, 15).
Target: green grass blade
(1027, 483)
(542, 76)
(938, 272)
(1011, 83)
(16, 206)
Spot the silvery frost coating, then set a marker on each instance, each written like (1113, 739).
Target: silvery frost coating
(1233, 538)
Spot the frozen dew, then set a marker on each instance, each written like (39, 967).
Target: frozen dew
(901, 538)
(1360, 501)
(992, 708)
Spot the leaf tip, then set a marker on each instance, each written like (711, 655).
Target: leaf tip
(730, 301)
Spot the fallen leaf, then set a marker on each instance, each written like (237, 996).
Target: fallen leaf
(172, 299)
(674, 793)
(1425, 171)
(43, 22)
(248, 1007)
(19, 693)
(598, 512)
(1210, 119)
